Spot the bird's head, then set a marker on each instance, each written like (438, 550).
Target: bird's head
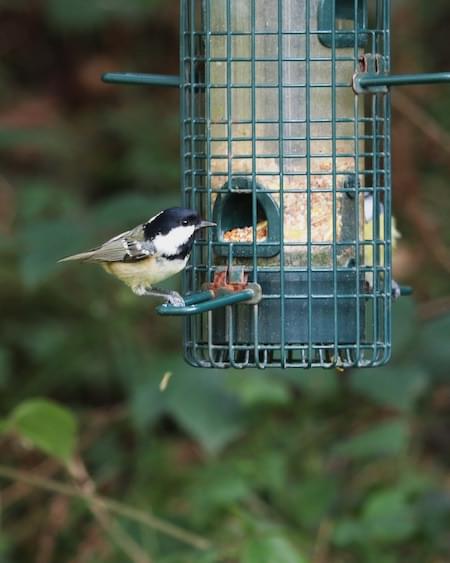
(172, 231)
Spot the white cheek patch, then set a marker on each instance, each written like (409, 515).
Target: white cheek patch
(170, 243)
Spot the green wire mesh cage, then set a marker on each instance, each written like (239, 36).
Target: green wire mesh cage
(285, 144)
(281, 153)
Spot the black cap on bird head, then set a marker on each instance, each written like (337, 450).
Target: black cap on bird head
(172, 218)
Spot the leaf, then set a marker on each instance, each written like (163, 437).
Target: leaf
(4, 426)
(46, 426)
(387, 438)
(434, 348)
(201, 404)
(347, 532)
(390, 386)
(147, 403)
(198, 400)
(313, 498)
(256, 389)
(318, 384)
(270, 549)
(220, 486)
(267, 470)
(404, 328)
(389, 517)
(210, 556)
(434, 512)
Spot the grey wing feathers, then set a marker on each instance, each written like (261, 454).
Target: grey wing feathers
(129, 246)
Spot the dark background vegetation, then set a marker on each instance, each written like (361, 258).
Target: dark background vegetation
(307, 467)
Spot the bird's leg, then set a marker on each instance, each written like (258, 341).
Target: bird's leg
(171, 297)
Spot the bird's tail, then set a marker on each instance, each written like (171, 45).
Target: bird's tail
(82, 257)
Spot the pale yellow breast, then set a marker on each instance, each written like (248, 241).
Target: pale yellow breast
(146, 272)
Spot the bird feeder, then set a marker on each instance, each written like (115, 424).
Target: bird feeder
(285, 138)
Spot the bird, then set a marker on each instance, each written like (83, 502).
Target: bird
(369, 235)
(150, 252)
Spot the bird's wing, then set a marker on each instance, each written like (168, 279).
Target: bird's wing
(129, 246)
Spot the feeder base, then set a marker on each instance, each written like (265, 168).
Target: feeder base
(320, 319)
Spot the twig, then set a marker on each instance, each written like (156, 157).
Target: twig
(77, 470)
(320, 550)
(56, 521)
(115, 506)
(19, 489)
(92, 547)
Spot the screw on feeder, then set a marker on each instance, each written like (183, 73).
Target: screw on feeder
(281, 149)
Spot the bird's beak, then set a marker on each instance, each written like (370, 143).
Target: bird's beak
(204, 224)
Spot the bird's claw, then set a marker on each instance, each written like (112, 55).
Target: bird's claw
(175, 300)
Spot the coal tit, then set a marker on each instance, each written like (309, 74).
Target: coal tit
(151, 252)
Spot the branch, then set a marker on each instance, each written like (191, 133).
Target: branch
(321, 546)
(114, 506)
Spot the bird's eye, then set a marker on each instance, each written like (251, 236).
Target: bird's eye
(184, 222)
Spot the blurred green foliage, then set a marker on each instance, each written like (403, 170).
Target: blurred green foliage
(279, 467)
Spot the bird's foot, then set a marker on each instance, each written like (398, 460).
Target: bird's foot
(171, 297)
(175, 299)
